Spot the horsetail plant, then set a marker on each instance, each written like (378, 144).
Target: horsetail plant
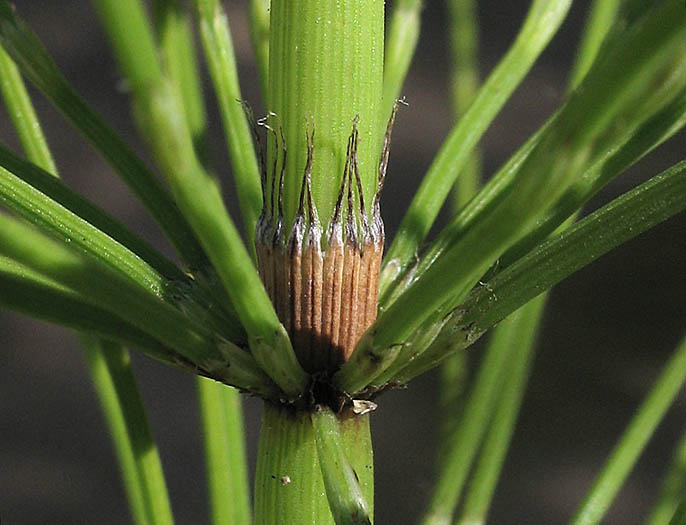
(304, 310)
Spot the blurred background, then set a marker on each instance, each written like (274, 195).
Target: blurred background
(608, 329)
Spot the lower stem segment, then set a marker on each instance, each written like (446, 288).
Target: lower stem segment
(288, 482)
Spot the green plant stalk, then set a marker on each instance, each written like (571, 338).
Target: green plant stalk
(612, 159)
(461, 450)
(600, 19)
(619, 221)
(343, 490)
(218, 47)
(258, 19)
(401, 41)
(115, 384)
(542, 22)
(39, 209)
(108, 290)
(222, 422)
(220, 405)
(617, 86)
(36, 65)
(673, 488)
(615, 161)
(109, 362)
(160, 114)
(310, 86)
(23, 115)
(28, 292)
(520, 332)
(289, 487)
(464, 42)
(679, 517)
(53, 189)
(175, 34)
(634, 440)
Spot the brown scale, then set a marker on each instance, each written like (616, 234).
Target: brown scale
(326, 299)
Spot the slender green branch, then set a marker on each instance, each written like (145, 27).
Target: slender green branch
(613, 162)
(39, 209)
(116, 294)
(600, 19)
(401, 40)
(520, 331)
(49, 188)
(115, 384)
(679, 517)
(37, 66)
(218, 48)
(197, 193)
(464, 42)
(619, 221)
(542, 22)
(612, 91)
(220, 406)
(634, 440)
(175, 33)
(673, 488)
(28, 292)
(342, 487)
(258, 18)
(497, 367)
(227, 475)
(23, 115)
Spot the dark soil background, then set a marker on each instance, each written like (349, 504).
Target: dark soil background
(608, 329)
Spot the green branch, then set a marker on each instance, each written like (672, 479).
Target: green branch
(227, 473)
(401, 40)
(542, 22)
(37, 66)
(160, 114)
(343, 491)
(218, 48)
(619, 221)
(115, 384)
(634, 440)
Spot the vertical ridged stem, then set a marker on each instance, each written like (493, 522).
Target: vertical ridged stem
(325, 69)
(288, 482)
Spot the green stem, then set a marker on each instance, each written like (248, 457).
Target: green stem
(600, 20)
(616, 88)
(619, 221)
(497, 367)
(673, 488)
(326, 69)
(289, 487)
(520, 332)
(218, 47)
(464, 40)
(258, 18)
(160, 114)
(121, 297)
(401, 42)
(634, 440)
(37, 66)
(343, 491)
(23, 115)
(222, 421)
(542, 22)
(28, 292)
(110, 366)
(175, 33)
